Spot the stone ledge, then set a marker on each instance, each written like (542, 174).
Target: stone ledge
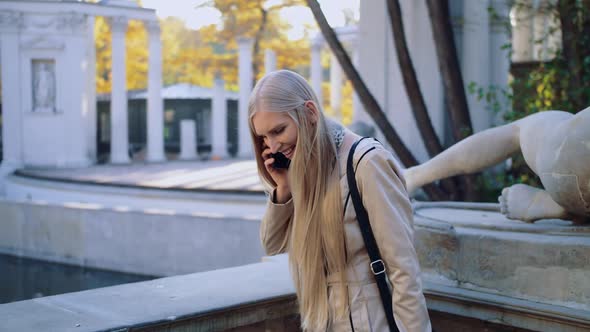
(505, 310)
(254, 297)
(222, 299)
(470, 246)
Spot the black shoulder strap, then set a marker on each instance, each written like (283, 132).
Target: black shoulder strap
(377, 266)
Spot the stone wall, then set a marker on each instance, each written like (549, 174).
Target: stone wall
(160, 244)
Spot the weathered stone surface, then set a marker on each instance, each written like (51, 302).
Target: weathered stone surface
(209, 301)
(154, 242)
(481, 250)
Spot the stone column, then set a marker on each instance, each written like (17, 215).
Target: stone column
(270, 60)
(316, 68)
(522, 35)
(554, 38)
(188, 140)
(90, 90)
(476, 58)
(219, 119)
(540, 33)
(119, 127)
(12, 122)
(155, 106)
(245, 83)
(500, 59)
(336, 87)
(358, 111)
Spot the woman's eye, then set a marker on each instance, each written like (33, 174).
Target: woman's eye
(278, 131)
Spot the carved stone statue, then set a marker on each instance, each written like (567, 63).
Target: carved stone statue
(555, 145)
(43, 87)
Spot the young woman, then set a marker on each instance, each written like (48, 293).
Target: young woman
(309, 215)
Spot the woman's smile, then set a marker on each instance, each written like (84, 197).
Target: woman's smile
(289, 152)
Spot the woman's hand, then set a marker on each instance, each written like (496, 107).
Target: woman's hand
(279, 175)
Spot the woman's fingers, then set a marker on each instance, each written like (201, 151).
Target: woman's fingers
(266, 154)
(268, 163)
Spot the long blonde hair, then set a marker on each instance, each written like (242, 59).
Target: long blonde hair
(316, 241)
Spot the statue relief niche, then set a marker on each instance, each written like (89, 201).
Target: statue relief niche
(43, 71)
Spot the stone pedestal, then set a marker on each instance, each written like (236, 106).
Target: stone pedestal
(188, 140)
(476, 263)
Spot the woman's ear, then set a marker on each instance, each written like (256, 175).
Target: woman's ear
(314, 111)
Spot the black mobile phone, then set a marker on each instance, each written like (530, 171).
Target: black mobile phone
(280, 160)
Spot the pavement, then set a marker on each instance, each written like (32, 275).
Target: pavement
(231, 175)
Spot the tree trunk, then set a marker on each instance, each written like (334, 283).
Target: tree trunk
(450, 70)
(412, 87)
(411, 84)
(369, 102)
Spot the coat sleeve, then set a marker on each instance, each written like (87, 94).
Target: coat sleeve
(386, 200)
(275, 226)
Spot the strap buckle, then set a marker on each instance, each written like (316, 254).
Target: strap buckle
(380, 267)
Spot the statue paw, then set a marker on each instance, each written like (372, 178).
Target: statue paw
(503, 200)
(515, 202)
(528, 204)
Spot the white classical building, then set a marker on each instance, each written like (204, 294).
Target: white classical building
(48, 82)
(49, 107)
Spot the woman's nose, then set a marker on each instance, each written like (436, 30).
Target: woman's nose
(274, 146)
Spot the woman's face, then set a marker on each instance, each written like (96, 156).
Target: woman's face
(277, 130)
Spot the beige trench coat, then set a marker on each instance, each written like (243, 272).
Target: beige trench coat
(385, 198)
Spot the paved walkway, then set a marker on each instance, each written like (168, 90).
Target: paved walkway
(232, 175)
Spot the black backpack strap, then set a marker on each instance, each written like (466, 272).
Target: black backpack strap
(377, 266)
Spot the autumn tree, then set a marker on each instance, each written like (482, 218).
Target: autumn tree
(136, 51)
(261, 22)
(188, 55)
(195, 56)
(186, 58)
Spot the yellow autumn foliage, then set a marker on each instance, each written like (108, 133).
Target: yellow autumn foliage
(195, 56)
(136, 49)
